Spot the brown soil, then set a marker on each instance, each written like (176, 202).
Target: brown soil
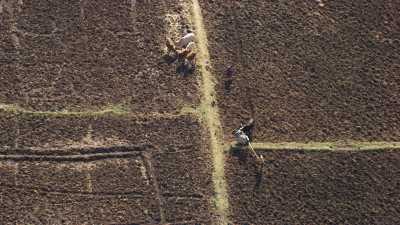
(37, 207)
(8, 131)
(307, 72)
(32, 130)
(179, 175)
(297, 187)
(104, 191)
(168, 180)
(89, 54)
(187, 208)
(49, 131)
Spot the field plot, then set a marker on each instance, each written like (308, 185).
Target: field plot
(79, 55)
(308, 71)
(98, 192)
(7, 130)
(106, 169)
(299, 187)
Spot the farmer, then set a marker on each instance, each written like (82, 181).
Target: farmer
(244, 133)
(241, 137)
(248, 128)
(230, 71)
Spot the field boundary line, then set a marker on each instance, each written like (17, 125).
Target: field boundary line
(114, 110)
(132, 194)
(69, 158)
(85, 149)
(327, 146)
(147, 159)
(210, 116)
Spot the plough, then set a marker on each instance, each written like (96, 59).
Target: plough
(259, 158)
(242, 135)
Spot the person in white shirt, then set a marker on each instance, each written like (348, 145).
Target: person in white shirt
(244, 133)
(241, 137)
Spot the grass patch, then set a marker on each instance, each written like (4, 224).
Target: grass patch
(328, 146)
(113, 110)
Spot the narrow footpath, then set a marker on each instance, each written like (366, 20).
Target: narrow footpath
(328, 146)
(210, 116)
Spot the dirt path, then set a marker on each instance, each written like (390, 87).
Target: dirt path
(210, 116)
(111, 109)
(152, 174)
(327, 146)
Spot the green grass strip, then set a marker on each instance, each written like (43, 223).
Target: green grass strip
(328, 146)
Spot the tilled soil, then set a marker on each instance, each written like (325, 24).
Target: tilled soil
(167, 180)
(105, 191)
(36, 207)
(307, 72)
(297, 187)
(89, 54)
(36, 130)
(8, 131)
(32, 130)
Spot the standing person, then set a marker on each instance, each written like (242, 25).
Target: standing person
(230, 71)
(244, 134)
(241, 137)
(248, 129)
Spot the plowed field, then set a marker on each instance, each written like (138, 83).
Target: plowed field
(306, 72)
(97, 192)
(70, 169)
(57, 55)
(97, 128)
(316, 188)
